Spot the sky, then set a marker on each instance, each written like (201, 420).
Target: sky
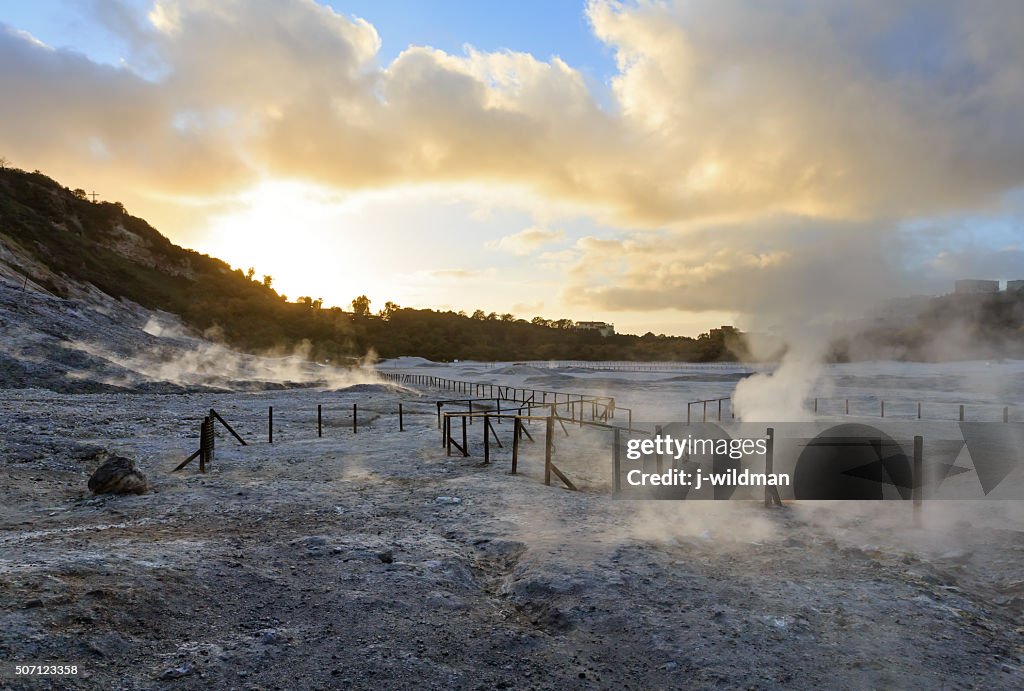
(665, 166)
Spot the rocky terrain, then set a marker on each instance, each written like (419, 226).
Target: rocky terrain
(372, 560)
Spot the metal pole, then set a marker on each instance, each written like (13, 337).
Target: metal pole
(270, 425)
(355, 418)
(961, 412)
(401, 419)
(465, 444)
(883, 408)
(319, 420)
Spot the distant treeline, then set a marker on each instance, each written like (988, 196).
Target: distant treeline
(79, 241)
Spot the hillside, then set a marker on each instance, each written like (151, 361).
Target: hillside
(57, 243)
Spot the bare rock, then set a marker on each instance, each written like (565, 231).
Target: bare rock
(118, 476)
(184, 670)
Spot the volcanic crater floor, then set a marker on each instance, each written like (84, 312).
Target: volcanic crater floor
(373, 560)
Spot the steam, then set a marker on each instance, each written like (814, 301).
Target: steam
(182, 359)
(781, 395)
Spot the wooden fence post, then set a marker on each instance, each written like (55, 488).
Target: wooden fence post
(487, 441)
(918, 483)
(658, 457)
(204, 442)
(516, 432)
(771, 493)
(616, 462)
(549, 443)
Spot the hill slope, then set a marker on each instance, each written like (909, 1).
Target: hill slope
(55, 242)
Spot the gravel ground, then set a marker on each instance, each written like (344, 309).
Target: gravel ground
(372, 560)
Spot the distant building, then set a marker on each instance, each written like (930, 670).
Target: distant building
(723, 331)
(1014, 286)
(976, 287)
(603, 328)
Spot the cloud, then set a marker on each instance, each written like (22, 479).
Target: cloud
(786, 269)
(527, 241)
(745, 148)
(721, 110)
(458, 274)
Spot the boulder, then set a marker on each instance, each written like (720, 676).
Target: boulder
(118, 476)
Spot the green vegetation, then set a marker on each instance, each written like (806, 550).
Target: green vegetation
(82, 241)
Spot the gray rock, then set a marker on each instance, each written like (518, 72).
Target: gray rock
(183, 670)
(118, 476)
(271, 637)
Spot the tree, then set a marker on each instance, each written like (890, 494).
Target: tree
(541, 321)
(361, 306)
(78, 192)
(389, 309)
(268, 280)
(3, 162)
(250, 272)
(479, 314)
(508, 317)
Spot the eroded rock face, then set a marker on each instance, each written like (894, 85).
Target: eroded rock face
(118, 476)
